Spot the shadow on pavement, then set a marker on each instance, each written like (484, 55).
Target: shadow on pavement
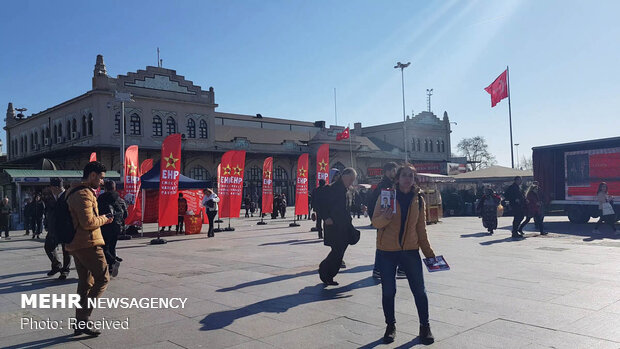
(33, 284)
(45, 343)
(308, 294)
(358, 269)
(292, 242)
(475, 235)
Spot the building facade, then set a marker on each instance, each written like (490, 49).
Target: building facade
(165, 103)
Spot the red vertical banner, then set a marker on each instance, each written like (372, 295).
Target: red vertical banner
(322, 164)
(131, 183)
(231, 183)
(267, 206)
(301, 186)
(93, 156)
(170, 170)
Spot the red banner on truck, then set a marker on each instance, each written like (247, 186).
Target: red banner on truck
(586, 169)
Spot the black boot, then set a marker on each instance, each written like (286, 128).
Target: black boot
(426, 336)
(390, 333)
(86, 331)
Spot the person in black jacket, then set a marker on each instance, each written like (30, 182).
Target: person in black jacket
(38, 210)
(5, 214)
(111, 202)
(318, 204)
(387, 182)
(51, 196)
(28, 216)
(338, 226)
(515, 196)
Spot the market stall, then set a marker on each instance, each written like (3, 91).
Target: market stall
(430, 183)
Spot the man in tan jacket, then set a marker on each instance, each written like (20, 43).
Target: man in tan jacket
(86, 246)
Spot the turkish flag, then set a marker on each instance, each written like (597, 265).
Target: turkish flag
(231, 183)
(93, 156)
(267, 205)
(322, 164)
(343, 135)
(146, 166)
(499, 88)
(301, 185)
(170, 170)
(131, 184)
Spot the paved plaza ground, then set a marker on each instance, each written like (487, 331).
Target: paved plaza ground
(257, 287)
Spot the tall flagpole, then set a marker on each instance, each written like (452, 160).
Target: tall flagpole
(350, 147)
(512, 157)
(335, 109)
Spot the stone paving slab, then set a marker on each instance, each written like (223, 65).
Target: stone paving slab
(257, 287)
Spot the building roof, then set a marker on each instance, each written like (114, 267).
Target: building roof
(494, 172)
(20, 173)
(385, 146)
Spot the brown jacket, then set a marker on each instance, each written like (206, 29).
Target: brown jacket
(86, 219)
(414, 236)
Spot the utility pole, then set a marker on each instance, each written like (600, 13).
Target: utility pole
(402, 67)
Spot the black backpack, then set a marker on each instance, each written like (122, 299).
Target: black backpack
(63, 223)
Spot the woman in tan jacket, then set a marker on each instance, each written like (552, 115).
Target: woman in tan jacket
(399, 237)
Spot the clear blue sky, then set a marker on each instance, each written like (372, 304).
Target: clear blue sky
(284, 58)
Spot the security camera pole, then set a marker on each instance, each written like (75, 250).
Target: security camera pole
(123, 97)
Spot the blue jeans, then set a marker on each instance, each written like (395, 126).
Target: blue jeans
(411, 264)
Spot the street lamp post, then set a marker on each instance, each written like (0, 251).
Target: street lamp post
(402, 67)
(123, 97)
(517, 146)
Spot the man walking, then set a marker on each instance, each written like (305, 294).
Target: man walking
(387, 182)
(38, 209)
(51, 196)
(318, 205)
(338, 226)
(28, 216)
(515, 196)
(182, 206)
(5, 214)
(209, 202)
(86, 246)
(112, 203)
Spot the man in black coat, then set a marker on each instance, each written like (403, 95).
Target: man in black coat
(387, 182)
(28, 216)
(5, 215)
(111, 202)
(338, 226)
(51, 196)
(318, 203)
(515, 196)
(38, 210)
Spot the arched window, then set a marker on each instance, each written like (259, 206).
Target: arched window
(438, 147)
(443, 147)
(68, 129)
(134, 125)
(203, 129)
(157, 126)
(117, 123)
(84, 126)
(171, 126)
(60, 131)
(55, 134)
(199, 173)
(191, 128)
(36, 138)
(418, 141)
(74, 125)
(90, 124)
(280, 174)
(426, 145)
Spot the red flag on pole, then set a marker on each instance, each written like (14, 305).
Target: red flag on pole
(498, 89)
(267, 205)
(231, 183)
(322, 164)
(170, 169)
(343, 135)
(301, 186)
(146, 166)
(93, 156)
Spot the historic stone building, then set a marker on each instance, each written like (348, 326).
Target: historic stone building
(166, 103)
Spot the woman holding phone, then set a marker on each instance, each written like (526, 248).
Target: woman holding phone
(400, 236)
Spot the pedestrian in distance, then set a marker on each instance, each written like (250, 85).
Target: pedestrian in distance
(247, 202)
(338, 225)
(534, 208)
(400, 237)
(38, 210)
(209, 202)
(282, 204)
(276, 206)
(515, 197)
(318, 205)
(487, 208)
(51, 196)
(86, 246)
(607, 213)
(28, 216)
(5, 215)
(182, 208)
(110, 202)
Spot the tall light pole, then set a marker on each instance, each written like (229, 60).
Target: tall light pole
(517, 146)
(402, 67)
(123, 97)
